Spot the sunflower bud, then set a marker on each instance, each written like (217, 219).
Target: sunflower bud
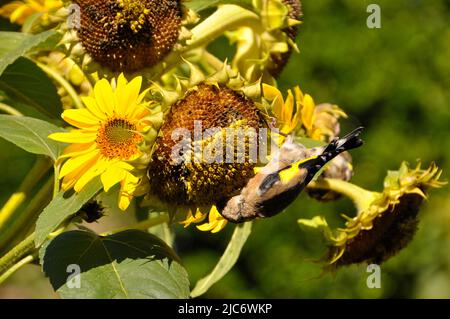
(91, 211)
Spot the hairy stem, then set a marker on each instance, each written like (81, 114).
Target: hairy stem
(15, 255)
(16, 267)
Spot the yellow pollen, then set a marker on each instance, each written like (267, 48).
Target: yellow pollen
(133, 13)
(117, 139)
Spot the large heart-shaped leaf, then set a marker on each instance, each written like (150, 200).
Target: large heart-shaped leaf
(130, 264)
(26, 82)
(227, 261)
(62, 207)
(31, 134)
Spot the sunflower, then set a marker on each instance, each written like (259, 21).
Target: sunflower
(264, 49)
(108, 139)
(299, 114)
(126, 35)
(192, 188)
(19, 11)
(385, 222)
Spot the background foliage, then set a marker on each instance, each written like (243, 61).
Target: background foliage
(396, 82)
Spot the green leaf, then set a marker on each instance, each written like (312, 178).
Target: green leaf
(26, 82)
(31, 134)
(227, 261)
(17, 44)
(130, 264)
(200, 5)
(62, 207)
(10, 40)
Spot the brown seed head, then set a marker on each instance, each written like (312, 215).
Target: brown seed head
(128, 35)
(202, 183)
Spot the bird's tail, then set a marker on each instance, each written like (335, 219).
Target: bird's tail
(336, 147)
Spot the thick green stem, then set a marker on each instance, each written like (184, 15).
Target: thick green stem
(16, 267)
(23, 253)
(361, 197)
(16, 254)
(226, 18)
(7, 213)
(23, 221)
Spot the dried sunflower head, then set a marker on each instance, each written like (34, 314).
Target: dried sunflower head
(202, 155)
(386, 222)
(207, 109)
(126, 35)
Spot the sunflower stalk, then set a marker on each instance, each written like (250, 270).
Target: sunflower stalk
(225, 18)
(361, 198)
(7, 213)
(15, 255)
(22, 223)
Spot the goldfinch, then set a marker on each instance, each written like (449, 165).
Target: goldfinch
(279, 183)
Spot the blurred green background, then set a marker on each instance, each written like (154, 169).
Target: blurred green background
(395, 81)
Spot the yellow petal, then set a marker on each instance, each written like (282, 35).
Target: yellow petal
(308, 111)
(70, 179)
(75, 163)
(77, 149)
(271, 93)
(220, 225)
(288, 108)
(81, 118)
(112, 176)
(127, 96)
(216, 221)
(207, 226)
(95, 170)
(74, 136)
(121, 81)
(104, 97)
(92, 106)
(194, 218)
(128, 187)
